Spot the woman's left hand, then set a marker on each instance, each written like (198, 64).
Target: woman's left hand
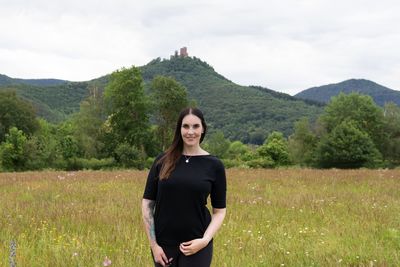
(193, 246)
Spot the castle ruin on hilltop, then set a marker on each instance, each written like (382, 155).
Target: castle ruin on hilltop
(182, 53)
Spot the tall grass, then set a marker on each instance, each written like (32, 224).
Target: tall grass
(274, 218)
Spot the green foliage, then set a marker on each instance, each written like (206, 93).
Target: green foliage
(128, 107)
(54, 103)
(360, 109)
(265, 162)
(69, 147)
(392, 129)
(41, 149)
(237, 150)
(217, 144)
(15, 112)
(13, 155)
(347, 146)
(88, 123)
(130, 156)
(76, 164)
(242, 113)
(169, 98)
(257, 136)
(276, 149)
(302, 143)
(352, 132)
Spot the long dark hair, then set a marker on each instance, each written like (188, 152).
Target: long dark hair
(174, 152)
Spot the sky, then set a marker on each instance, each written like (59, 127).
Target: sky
(285, 45)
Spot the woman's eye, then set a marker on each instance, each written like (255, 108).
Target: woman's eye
(187, 126)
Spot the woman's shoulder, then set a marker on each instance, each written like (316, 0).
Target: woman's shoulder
(156, 161)
(214, 160)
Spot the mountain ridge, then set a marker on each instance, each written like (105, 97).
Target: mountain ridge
(379, 93)
(6, 80)
(246, 113)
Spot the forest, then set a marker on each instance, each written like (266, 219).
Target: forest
(126, 119)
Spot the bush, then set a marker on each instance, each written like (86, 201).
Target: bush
(232, 163)
(129, 156)
(261, 163)
(96, 164)
(347, 146)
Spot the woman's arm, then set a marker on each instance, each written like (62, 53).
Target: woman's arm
(216, 222)
(193, 246)
(148, 220)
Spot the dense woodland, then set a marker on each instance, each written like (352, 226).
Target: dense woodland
(242, 113)
(126, 119)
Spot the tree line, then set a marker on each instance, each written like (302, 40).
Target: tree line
(126, 128)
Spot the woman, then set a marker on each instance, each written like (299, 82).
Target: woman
(177, 222)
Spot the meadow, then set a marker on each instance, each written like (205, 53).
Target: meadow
(294, 217)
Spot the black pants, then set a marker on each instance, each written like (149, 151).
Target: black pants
(201, 259)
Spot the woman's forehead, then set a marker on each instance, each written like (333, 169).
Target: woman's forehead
(191, 119)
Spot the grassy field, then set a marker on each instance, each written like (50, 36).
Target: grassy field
(274, 218)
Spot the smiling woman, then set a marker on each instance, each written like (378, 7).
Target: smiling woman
(178, 224)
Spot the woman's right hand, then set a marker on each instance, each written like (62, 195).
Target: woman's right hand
(159, 256)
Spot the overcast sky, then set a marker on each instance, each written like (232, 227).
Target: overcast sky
(285, 45)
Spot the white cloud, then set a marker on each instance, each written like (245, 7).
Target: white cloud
(284, 45)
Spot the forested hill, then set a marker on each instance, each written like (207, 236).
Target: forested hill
(54, 103)
(241, 112)
(379, 93)
(5, 80)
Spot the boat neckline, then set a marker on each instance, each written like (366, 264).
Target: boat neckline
(201, 155)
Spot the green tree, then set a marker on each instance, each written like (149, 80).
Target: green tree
(169, 98)
(15, 112)
(42, 147)
(275, 147)
(237, 150)
(88, 124)
(69, 147)
(129, 156)
(217, 144)
(360, 109)
(257, 136)
(128, 107)
(347, 146)
(12, 151)
(392, 128)
(302, 143)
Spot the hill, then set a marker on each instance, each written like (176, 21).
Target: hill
(244, 113)
(379, 93)
(241, 112)
(5, 80)
(54, 103)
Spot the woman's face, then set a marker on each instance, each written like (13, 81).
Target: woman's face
(191, 130)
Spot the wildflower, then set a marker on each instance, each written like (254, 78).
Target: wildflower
(107, 261)
(75, 254)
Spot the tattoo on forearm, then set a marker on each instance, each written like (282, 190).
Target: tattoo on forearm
(150, 220)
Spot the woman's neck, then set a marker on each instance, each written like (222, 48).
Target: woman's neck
(196, 150)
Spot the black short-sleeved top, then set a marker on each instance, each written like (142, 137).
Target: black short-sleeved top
(180, 212)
